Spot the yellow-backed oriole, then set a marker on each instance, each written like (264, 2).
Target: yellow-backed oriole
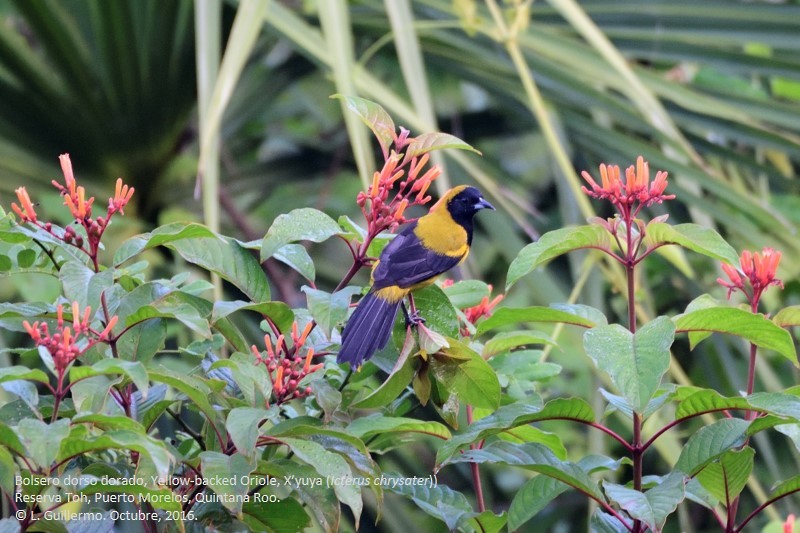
(426, 248)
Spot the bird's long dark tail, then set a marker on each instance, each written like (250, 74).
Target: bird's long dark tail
(368, 329)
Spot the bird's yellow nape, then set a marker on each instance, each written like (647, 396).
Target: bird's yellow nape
(446, 197)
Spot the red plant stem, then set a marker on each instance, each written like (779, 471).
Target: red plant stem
(751, 375)
(636, 446)
(750, 415)
(476, 474)
(58, 395)
(761, 508)
(751, 369)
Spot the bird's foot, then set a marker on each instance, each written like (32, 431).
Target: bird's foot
(414, 319)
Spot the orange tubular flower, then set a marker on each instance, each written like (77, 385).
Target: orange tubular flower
(26, 213)
(485, 308)
(278, 383)
(67, 343)
(69, 177)
(122, 195)
(636, 187)
(106, 333)
(759, 270)
(396, 187)
(285, 366)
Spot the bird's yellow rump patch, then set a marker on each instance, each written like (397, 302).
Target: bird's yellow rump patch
(392, 294)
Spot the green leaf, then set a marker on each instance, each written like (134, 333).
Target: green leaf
(374, 116)
(108, 422)
(792, 431)
(707, 400)
(435, 307)
(328, 464)
(8, 471)
(27, 392)
(384, 433)
(710, 442)
(13, 373)
(350, 448)
(42, 441)
(439, 501)
(754, 328)
(159, 498)
(514, 415)
(352, 231)
(519, 372)
(286, 515)
(328, 309)
(726, 477)
(296, 256)
(605, 523)
(133, 370)
(195, 389)
(228, 259)
(328, 398)
(788, 316)
(488, 522)
(305, 224)
(81, 284)
(467, 293)
(428, 142)
(523, 434)
(312, 490)
(531, 498)
(555, 243)
(532, 456)
(175, 305)
(159, 237)
(786, 487)
(508, 340)
(635, 362)
(142, 341)
(278, 312)
(776, 403)
(243, 427)
(510, 315)
(463, 372)
(624, 407)
(390, 389)
(704, 301)
(26, 258)
(694, 237)
(651, 507)
(125, 440)
(228, 476)
(699, 495)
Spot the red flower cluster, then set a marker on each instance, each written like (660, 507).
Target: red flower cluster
(635, 189)
(285, 369)
(759, 270)
(385, 213)
(472, 314)
(65, 345)
(79, 206)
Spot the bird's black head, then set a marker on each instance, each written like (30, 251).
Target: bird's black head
(465, 202)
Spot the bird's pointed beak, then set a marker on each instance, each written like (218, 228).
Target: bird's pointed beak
(483, 204)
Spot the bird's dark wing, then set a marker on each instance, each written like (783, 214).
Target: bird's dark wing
(406, 262)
